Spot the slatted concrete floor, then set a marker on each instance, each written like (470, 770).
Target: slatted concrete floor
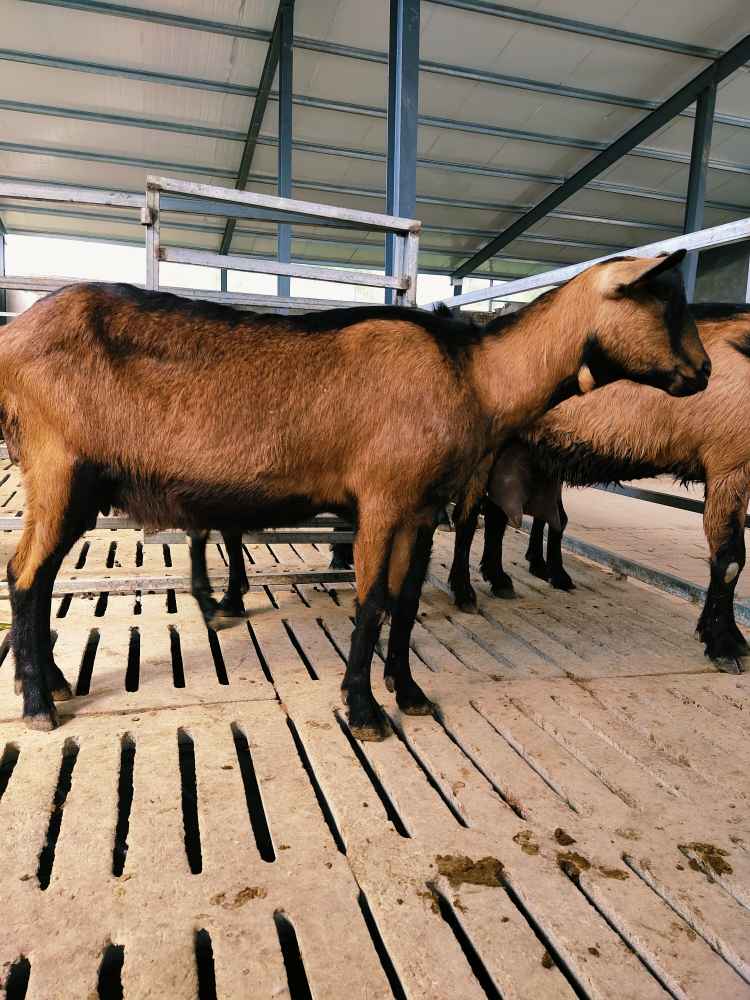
(574, 824)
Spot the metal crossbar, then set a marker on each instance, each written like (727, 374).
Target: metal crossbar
(716, 236)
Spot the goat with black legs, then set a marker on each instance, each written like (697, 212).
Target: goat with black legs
(191, 415)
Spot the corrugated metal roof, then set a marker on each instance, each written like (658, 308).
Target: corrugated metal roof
(512, 101)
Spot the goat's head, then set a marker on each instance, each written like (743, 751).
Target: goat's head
(643, 330)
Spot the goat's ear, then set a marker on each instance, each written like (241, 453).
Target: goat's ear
(624, 276)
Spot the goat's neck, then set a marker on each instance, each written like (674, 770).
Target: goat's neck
(518, 372)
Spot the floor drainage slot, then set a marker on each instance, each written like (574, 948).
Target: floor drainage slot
(124, 804)
(204, 962)
(431, 781)
(171, 603)
(528, 760)
(111, 554)
(574, 877)
(64, 605)
(390, 809)
(64, 782)
(382, 952)
(186, 750)
(81, 560)
(178, 668)
(296, 977)
(327, 634)
(322, 802)
(552, 952)
(83, 684)
(219, 665)
(692, 919)
(8, 761)
(109, 986)
(4, 646)
(510, 803)
(269, 594)
(167, 556)
(300, 651)
(17, 982)
(259, 652)
(132, 674)
(477, 966)
(253, 797)
(139, 553)
(101, 604)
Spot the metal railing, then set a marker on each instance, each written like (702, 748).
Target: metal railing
(183, 196)
(406, 231)
(703, 239)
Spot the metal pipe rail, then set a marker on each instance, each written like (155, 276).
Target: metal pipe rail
(703, 239)
(406, 232)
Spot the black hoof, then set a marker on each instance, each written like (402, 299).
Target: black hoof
(465, 599)
(223, 619)
(539, 569)
(741, 641)
(413, 701)
(42, 722)
(727, 664)
(561, 581)
(366, 719)
(62, 693)
(502, 586)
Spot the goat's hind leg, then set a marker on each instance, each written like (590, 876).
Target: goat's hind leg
(559, 577)
(535, 551)
(491, 566)
(411, 548)
(459, 576)
(372, 549)
(231, 610)
(51, 529)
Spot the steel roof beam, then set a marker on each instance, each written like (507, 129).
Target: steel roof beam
(256, 120)
(432, 121)
(711, 76)
(403, 113)
(349, 52)
(285, 141)
(608, 187)
(696, 192)
(538, 18)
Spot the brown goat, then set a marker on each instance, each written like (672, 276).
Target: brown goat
(629, 432)
(193, 415)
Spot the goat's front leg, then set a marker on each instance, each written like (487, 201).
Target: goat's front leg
(372, 550)
(495, 523)
(410, 548)
(558, 575)
(535, 551)
(724, 524)
(458, 578)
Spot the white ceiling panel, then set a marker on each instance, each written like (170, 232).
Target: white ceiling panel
(500, 45)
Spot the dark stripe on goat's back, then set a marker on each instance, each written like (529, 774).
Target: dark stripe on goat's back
(452, 336)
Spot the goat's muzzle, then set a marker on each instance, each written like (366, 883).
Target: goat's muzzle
(684, 384)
